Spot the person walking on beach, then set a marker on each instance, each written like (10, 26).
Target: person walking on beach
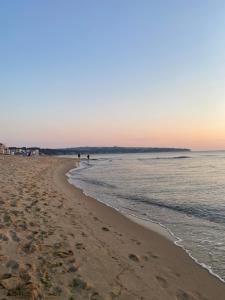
(88, 156)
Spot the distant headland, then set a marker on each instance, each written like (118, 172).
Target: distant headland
(108, 150)
(83, 150)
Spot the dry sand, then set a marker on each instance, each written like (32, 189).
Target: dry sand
(57, 243)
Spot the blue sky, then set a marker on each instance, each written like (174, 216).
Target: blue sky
(148, 73)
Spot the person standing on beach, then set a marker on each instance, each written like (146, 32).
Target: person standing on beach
(88, 156)
(78, 155)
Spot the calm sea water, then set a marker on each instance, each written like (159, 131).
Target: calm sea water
(185, 192)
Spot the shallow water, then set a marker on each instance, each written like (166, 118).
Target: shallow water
(185, 192)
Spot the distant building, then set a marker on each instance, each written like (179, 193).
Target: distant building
(12, 150)
(7, 151)
(24, 151)
(32, 151)
(3, 149)
(35, 152)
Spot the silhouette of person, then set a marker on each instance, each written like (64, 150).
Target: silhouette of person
(88, 156)
(78, 155)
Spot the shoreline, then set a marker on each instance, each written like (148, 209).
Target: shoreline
(57, 243)
(148, 224)
(152, 226)
(185, 253)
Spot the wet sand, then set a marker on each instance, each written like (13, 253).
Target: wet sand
(57, 243)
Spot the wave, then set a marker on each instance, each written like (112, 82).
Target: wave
(202, 211)
(81, 166)
(174, 157)
(96, 182)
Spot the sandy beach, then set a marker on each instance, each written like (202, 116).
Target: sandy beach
(57, 243)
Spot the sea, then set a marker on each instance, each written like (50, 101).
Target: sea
(184, 192)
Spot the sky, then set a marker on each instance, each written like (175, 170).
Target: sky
(112, 73)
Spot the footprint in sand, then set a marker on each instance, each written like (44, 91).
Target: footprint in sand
(3, 237)
(12, 264)
(72, 268)
(145, 258)
(105, 229)
(136, 242)
(78, 284)
(80, 246)
(13, 203)
(14, 236)
(133, 257)
(182, 295)
(96, 296)
(200, 297)
(155, 256)
(162, 281)
(7, 219)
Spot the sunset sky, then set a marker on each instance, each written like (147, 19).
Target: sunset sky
(117, 72)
